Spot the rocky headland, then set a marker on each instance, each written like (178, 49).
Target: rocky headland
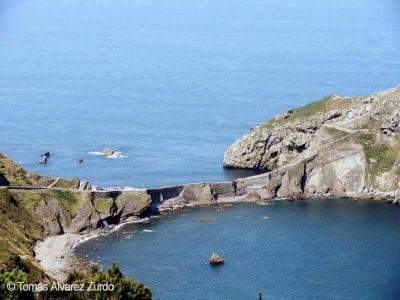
(335, 147)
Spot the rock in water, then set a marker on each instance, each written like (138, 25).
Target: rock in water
(216, 259)
(107, 151)
(45, 157)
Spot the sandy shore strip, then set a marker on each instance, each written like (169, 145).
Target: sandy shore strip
(55, 254)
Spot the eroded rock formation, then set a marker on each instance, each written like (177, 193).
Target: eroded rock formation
(339, 146)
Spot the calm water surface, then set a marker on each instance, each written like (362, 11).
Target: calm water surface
(314, 249)
(172, 83)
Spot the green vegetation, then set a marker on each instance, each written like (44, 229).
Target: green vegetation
(15, 175)
(18, 227)
(123, 287)
(380, 158)
(65, 196)
(103, 205)
(28, 216)
(309, 110)
(69, 201)
(16, 275)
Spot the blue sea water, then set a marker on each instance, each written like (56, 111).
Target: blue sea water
(312, 249)
(171, 83)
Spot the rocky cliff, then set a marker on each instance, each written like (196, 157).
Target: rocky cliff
(34, 207)
(338, 146)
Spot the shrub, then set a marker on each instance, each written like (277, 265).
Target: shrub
(125, 288)
(16, 275)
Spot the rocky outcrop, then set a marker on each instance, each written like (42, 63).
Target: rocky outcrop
(339, 146)
(192, 194)
(132, 204)
(216, 259)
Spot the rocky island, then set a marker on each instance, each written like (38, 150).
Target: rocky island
(335, 147)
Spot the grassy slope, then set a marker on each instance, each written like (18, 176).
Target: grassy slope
(14, 174)
(309, 110)
(25, 217)
(19, 230)
(382, 157)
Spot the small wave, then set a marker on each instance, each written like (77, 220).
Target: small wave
(266, 218)
(85, 239)
(116, 155)
(148, 230)
(96, 153)
(143, 220)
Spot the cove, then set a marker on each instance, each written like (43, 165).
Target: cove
(310, 249)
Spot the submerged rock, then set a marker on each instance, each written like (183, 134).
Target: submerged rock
(216, 259)
(207, 219)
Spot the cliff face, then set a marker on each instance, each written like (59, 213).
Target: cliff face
(33, 207)
(340, 146)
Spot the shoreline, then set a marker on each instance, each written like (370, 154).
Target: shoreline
(56, 256)
(56, 253)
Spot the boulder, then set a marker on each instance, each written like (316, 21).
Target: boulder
(132, 203)
(216, 259)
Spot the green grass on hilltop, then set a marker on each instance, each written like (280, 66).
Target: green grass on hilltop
(309, 110)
